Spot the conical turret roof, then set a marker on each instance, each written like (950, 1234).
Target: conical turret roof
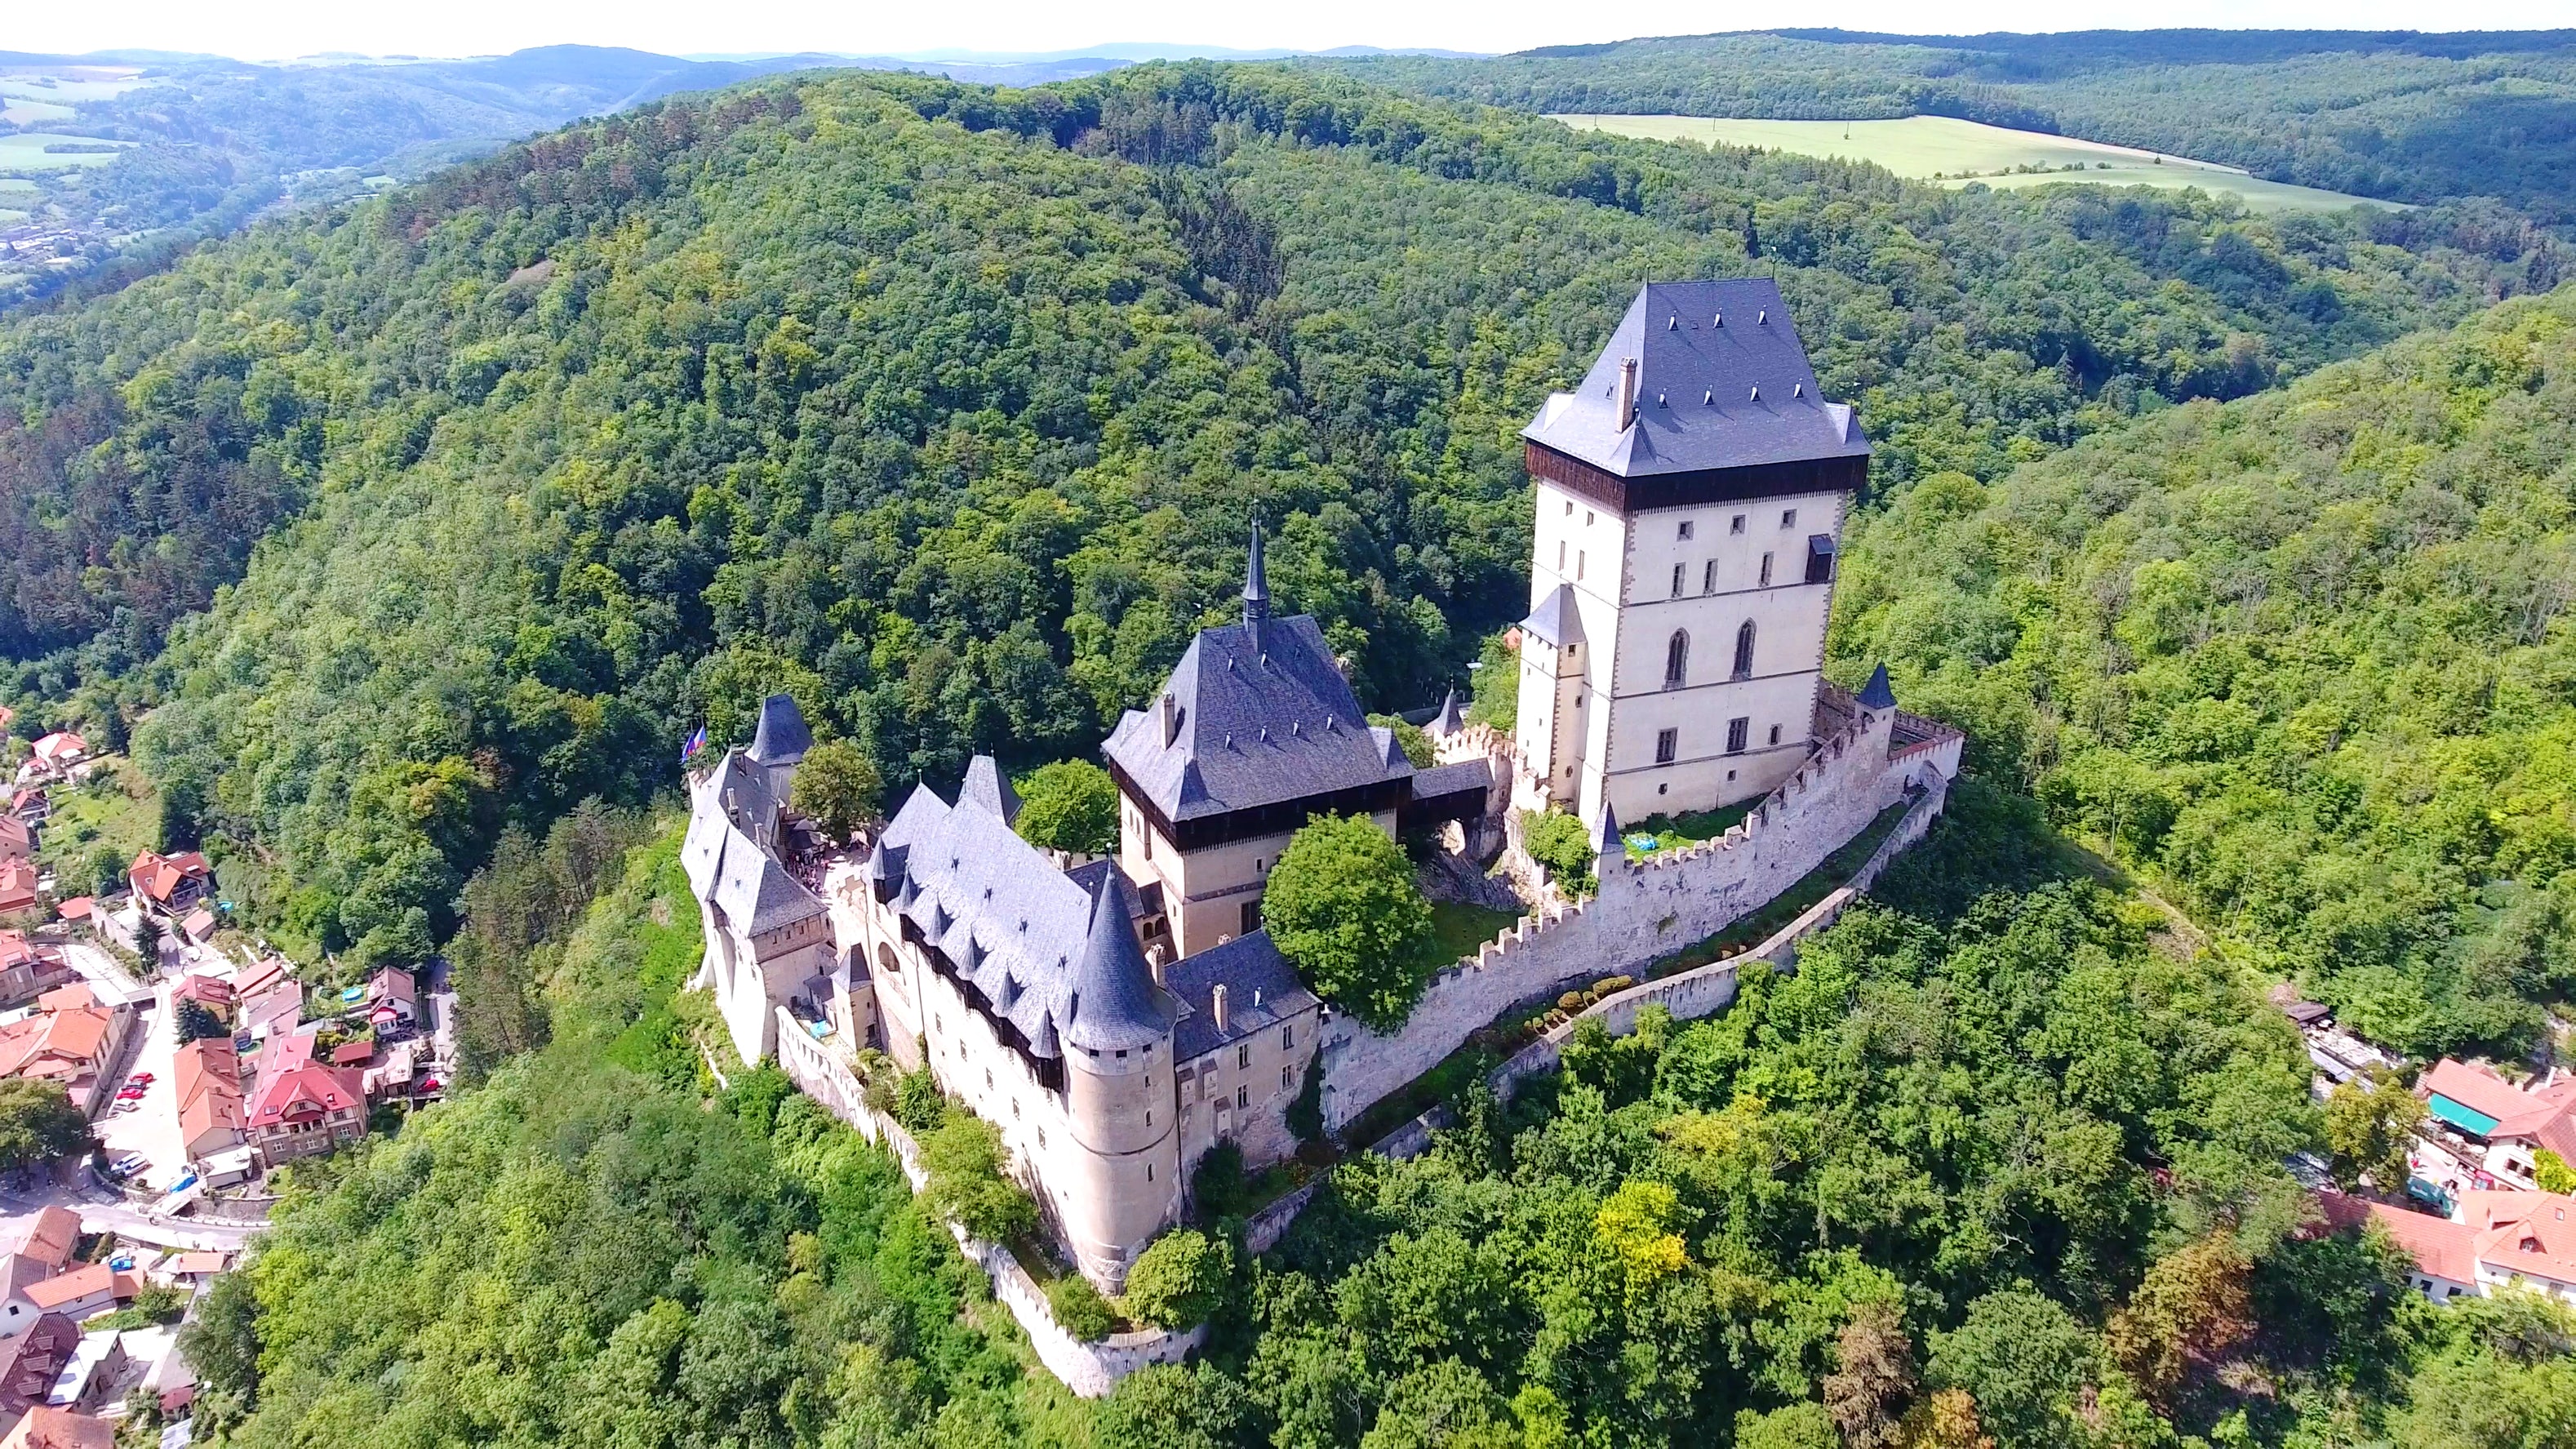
(1605, 841)
(1449, 721)
(782, 738)
(1116, 1005)
(1878, 693)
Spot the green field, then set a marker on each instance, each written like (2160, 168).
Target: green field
(23, 111)
(27, 152)
(1955, 152)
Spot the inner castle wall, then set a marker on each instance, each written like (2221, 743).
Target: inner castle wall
(1643, 910)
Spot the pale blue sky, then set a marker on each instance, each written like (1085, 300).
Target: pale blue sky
(264, 29)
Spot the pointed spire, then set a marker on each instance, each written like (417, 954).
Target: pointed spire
(781, 737)
(1448, 721)
(1043, 1042)
(1116, 1005)
(1256, 584)
(988, 791)
(1878, 693)
(884, 871)
(1606, 841)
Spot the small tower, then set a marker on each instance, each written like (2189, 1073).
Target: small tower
(779, 744)
(1878, 697)
(1119, 1097)
(1609, 848)
(1256, 592)
(1448, 721)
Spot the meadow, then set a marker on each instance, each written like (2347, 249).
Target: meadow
(26, 152)
(1955, 152)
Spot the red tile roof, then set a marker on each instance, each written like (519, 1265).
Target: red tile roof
(78, 908)
(82, 1282)
(304, 1091)
(2524, 1232)
(53, 1236)
(2439, 1246)
(159, 876)
(17, 885)
(60, 745)
(47, 1427)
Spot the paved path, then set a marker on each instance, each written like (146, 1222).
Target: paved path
(107, 976)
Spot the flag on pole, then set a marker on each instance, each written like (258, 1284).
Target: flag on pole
(696, 742)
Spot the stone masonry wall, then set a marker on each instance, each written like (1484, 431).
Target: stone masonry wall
(1642, 911)
(1089, 1369)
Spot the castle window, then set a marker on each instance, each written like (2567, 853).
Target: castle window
(1242, 1098)
(1122, 1054)
(1569, 508)
(1578, 565)
(1820, 558)
(1042, 1137)
(1775, 734)
(1676, 659)
(1251, 918)
(1708, 577)
(1788, 518)
(1287, 1038)
(1677, 581)
(1149, 1172)
(1667, 744)
(1283, 1079)
(1560, 555)
(1735, 524)
(1015, 1109)
(1736, 729)
(1744, 651)
(1149, 1116)
(1686, 528)
(1587, 518)
(988, 1079)
(1766, 571)
(1243, 1056)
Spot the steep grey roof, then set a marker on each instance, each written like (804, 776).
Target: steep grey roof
(1256, 582)
(1261, 990)
(1605, 840)
(1448, 721)
(1025, 934)
(1263, 717)
(1723, 382)
(987, 790)
(782, 738)
(1878, 693)
(1556, 620)
(1115, 1003)
(729, 852)
(1451, 778)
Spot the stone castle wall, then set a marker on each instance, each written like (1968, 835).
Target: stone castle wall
(1642, 911)
(1089, 1369)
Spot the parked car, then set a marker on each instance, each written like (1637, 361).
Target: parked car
(139, 1079)
(130, 1164)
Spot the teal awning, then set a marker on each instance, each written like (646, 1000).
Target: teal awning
(2467, 1119)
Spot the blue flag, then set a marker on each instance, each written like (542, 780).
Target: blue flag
(695, 743)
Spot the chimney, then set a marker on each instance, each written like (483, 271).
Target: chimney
(1154, 959)
(1171, 712)
(1216, 1004)
(1627, 392)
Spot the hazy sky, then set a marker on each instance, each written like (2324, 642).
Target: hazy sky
(262, 29)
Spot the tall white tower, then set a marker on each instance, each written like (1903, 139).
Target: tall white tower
(1690, 499)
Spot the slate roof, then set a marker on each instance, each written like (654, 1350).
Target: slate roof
(1261, 991)
(1452, 779)
(1878, 693)
(781, 738)
(1723, 382)
(1556, 620)
(1448, 721)
(730, 851)
(1052, 954)
(986, 789)
(1265, 718)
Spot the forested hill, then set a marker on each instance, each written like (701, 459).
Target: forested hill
(2402, 116)
(946, 408)
(2306, 659)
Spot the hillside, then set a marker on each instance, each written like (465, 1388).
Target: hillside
(954, 428)
(2400, 116)
(2304, 659)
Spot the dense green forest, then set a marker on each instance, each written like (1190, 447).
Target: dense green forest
(944, 408)
(2305, 659)
(2407, 117)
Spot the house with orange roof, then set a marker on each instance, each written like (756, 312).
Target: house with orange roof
(17, 886)
(212, 1113)
(71, 1039)
(27, 967)
(2506, 1125)
(55, 757)
(303, 1109)
(17, 839)
(31, 805)
(170, 886)
(53, 1237)
(2499, 1240)
(47, 1427)
(84, 1292)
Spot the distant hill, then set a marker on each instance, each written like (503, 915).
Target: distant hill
(2395, 115)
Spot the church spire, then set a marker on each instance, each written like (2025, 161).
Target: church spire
(1256, 585)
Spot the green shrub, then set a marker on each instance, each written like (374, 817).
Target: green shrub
(1558, 841)
(1179, 1280)
(969, 1181)
(1079, 1309)
(918, 1104)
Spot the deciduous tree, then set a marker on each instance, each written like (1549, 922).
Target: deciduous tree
(1343, 908)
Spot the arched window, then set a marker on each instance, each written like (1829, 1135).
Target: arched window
(1744, 651)
(1676, 659)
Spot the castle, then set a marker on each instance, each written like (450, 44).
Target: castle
(1115, 1019)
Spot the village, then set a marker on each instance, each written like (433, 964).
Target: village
(201, 1065)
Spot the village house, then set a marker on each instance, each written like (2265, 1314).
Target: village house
(47, 1427)
(31, 1357)
(52, 1238)
(57, 756)
(2494, 1241)
(17, 839)
(90, 1377)
(31, 805)
(393, 999)
(82, 1293)
(213, 1115)
(171, 887)
(17, 887)
(71, 1038)
(28, 968)
(301, 1108)
(2500, 1126)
